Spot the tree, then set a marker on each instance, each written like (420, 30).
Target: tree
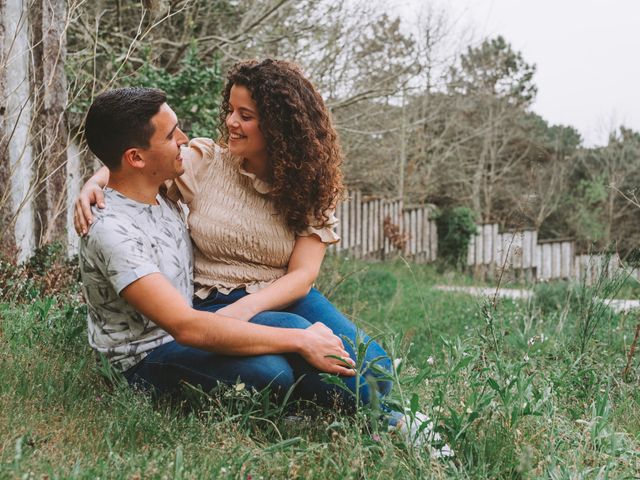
(543, 178)
(494, 69)
(601, 215)
(494, 86)
(16, 159)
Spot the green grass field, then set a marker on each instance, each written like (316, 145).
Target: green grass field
(519, 390)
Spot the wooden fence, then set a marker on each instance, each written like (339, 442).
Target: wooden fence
(377, 228)
(522, 255)
(372, 227)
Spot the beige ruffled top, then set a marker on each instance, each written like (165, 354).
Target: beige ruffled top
(239, 240)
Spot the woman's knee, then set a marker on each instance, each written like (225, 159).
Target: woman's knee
(280, 320)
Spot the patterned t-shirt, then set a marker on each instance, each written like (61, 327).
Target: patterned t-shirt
(127, 241)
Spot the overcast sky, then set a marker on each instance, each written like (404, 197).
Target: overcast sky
(587, 54)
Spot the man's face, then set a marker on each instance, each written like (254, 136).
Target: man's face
(163, 159)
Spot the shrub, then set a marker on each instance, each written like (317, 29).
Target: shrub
(47, 273)
(193, 91)
(455, 228)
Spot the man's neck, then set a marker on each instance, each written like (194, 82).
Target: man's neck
(135, 188)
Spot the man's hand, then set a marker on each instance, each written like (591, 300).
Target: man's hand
(319, 348)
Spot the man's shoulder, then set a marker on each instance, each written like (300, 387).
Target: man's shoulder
(112, 222)
(117, 223)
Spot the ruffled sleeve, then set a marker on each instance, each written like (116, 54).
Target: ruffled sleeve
(195, 157)
(327, 233)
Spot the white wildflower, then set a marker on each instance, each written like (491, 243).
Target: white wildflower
(430, 361)
(396, 363)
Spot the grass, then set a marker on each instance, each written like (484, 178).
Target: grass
(510, 387)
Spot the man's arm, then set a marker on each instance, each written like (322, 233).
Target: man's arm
(155, 297)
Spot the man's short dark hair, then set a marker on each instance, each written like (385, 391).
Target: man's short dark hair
(120, 119)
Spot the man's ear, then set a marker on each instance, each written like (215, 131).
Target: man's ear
(133, 158)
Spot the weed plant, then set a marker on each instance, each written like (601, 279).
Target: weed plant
(506, 384)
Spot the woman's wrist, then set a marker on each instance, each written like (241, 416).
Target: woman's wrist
(249, 306)
(91, 184)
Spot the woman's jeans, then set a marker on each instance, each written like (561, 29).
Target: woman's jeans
(169, 365)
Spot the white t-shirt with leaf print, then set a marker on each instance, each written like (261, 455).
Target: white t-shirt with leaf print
(127, 241)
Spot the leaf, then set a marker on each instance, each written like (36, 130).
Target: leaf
(283, 444)
(462, 364)
(493, 384)
(336, 381)
(415, 403)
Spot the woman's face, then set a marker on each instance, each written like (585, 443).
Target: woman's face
(245, 137)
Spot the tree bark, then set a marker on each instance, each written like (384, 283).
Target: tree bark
(16, 156)
(51, 138)
(7, 241)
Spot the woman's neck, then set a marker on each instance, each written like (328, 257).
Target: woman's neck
(258, 166)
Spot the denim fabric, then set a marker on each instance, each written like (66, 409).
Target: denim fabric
(314, 307)
(171, 364)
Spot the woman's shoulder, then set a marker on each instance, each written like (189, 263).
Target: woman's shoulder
(208, 150)
(203, 146)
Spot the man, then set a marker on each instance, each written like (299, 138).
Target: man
(136, 267)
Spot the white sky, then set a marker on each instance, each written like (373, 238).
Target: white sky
(587, 54)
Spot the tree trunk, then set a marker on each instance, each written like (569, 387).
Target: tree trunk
(51, 138)
(7, 241)
(16, 156)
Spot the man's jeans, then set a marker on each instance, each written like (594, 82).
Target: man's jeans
(169, 365)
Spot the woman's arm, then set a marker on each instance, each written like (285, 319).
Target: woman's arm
(302, 271)
(90, 194)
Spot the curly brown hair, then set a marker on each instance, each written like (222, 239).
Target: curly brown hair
(302, 145)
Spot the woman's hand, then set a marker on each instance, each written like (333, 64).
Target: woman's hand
(90, 194)
(325, 351)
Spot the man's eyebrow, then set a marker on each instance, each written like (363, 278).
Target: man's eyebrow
(172, 130)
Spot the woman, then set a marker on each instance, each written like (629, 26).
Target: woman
(261, 213)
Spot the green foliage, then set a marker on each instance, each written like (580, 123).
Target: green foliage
(47, 273)
(501, 384)
(193, 91)
(583, 306)
(587, 203)
(599, 208)
(553, 297)
(456, 226)
(494, 68)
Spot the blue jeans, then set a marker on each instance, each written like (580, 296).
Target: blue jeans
(169, 365)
